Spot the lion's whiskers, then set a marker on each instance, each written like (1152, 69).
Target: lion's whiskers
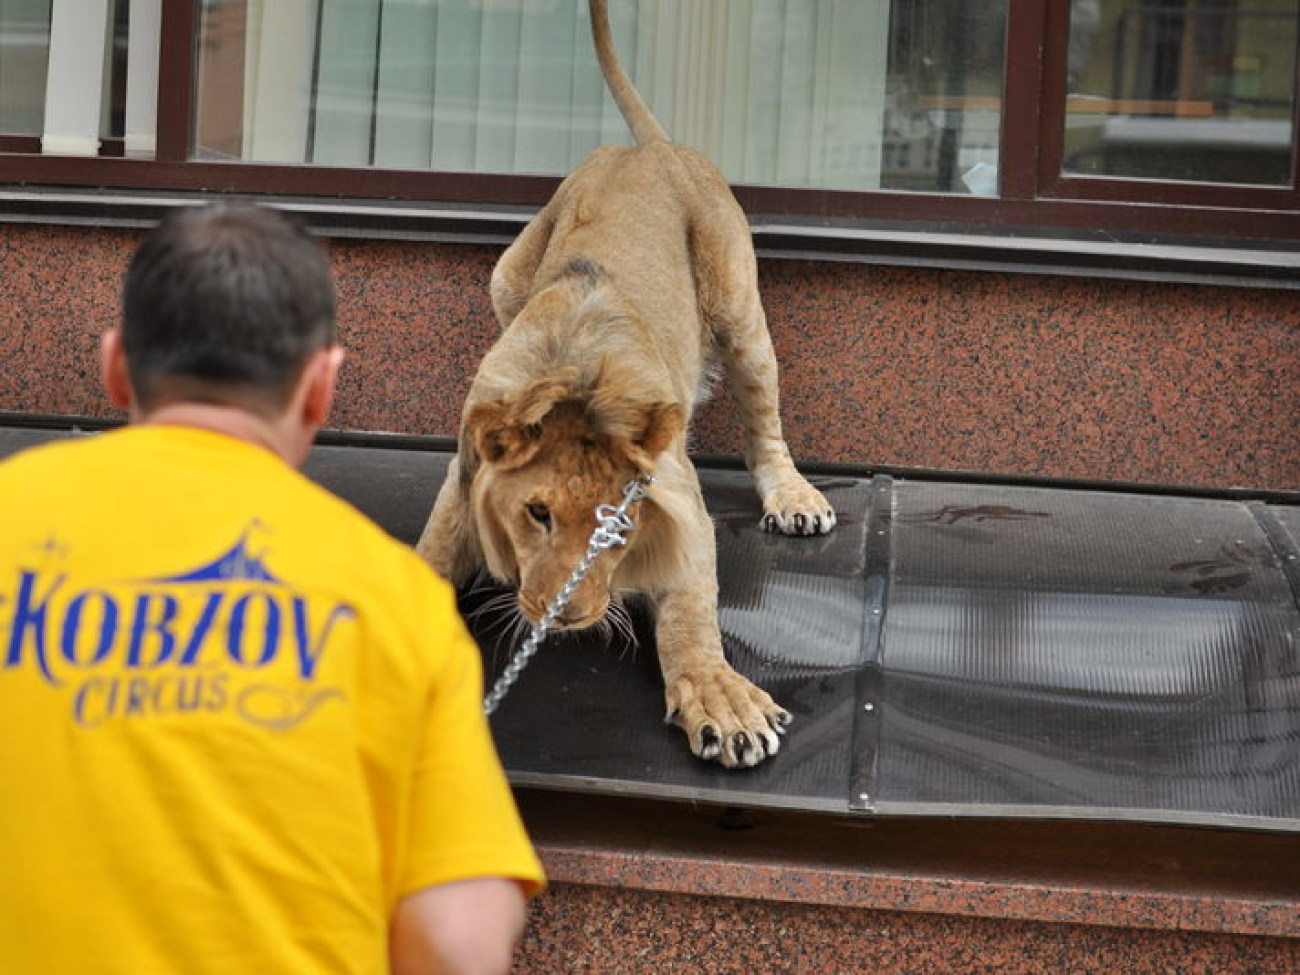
(498, 619)
(520, 626)
(493, 606)
(616, 627)
(502, 621)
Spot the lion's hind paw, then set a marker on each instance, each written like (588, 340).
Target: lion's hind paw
(799, 523)
(792, 506)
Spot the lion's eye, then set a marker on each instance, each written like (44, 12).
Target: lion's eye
(539, 513)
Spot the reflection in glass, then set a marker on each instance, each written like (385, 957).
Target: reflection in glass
(24, 65)
(1193, 90)
(24, 55)
(835, 94)
(943, 107)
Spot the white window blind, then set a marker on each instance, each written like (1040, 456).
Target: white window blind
(79, 37)
(143, 43)
(278, 57)
(458, 85)
(780, 92)
(776, 91)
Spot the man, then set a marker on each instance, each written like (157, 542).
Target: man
(240, 727)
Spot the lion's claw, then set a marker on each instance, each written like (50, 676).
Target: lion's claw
(726, 718)
(710, 743)
(799, 523)
(739, 746)
(770, 742)
(798, 509)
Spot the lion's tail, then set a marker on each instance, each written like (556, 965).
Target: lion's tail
(645, 127)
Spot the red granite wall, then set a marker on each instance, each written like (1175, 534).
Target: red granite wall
(625, 932)
(656, 887)
(994, 373)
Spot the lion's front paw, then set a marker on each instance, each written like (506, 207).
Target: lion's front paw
(797, 508)
(726, 718)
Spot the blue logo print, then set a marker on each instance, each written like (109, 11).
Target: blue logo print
(226, 636)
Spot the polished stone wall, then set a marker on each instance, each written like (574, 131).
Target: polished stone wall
(988, 373)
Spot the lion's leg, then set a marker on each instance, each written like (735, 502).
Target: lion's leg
(448, 542)
(734, 312)
(790, 504)
(512, 278)
(726, 717)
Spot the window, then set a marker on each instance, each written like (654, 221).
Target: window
(24, 56)
(63, 75)
(1139, 117)
(1200, 91)
(817, 94)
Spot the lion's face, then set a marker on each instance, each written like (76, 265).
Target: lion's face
(535, 493)
(535, 524)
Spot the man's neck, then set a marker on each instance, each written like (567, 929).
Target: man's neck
(231, 421)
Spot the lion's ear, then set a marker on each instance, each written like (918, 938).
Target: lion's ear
(664, 423)
(467, 454)
(507, 432)
(498, 438)
(659, 426)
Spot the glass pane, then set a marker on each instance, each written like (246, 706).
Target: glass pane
(1192, 90)
(943, 107)
(24, 55)
(841, 94)
(24, 63)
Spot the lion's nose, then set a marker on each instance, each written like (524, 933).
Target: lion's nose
(533, 607)
(569, 618)
(583, 608)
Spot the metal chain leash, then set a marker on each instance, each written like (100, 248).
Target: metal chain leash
(612, 525)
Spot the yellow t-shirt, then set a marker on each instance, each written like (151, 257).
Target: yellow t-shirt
(237, 721)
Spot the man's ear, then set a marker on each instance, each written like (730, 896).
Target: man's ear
(114, 375)
(321, 380)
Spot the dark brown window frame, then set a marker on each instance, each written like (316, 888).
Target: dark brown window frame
(1034, 196)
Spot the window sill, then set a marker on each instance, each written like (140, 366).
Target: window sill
(949, 246)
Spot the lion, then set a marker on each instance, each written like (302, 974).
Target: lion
(615, 302)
